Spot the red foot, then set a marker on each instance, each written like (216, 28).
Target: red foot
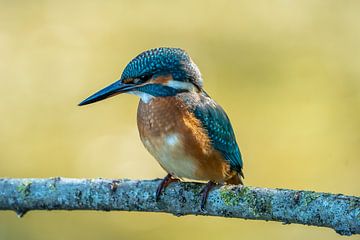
(164, 183)
(205, 191)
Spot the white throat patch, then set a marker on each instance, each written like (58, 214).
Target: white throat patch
(145, 97)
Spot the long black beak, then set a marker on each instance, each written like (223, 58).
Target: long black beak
(111, 90)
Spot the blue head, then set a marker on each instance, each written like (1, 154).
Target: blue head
(158, 72)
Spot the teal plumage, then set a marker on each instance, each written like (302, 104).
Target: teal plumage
(221, 134)
(217, 125)
(179, 123)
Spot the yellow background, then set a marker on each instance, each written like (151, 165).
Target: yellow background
(286, 72)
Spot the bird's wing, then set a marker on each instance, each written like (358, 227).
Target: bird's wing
(220, 131)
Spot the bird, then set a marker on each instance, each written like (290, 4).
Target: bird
(180, 125)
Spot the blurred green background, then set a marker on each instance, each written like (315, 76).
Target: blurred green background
(286, 72)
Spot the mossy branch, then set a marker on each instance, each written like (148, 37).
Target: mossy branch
(337, 211)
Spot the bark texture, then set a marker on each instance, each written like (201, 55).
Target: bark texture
(336, 211)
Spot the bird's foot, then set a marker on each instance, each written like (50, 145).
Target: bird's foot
(205, 191)
(164, 183)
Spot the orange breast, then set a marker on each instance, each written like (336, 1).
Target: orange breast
(178, 142)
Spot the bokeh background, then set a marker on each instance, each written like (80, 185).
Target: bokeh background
(286, 72)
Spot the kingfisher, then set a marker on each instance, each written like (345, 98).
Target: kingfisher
(182, 127)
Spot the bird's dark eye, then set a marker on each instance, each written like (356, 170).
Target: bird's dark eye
(144, 78)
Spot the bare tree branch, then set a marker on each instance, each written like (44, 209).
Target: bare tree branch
(337, 211)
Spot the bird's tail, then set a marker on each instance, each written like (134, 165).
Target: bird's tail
(236, 179)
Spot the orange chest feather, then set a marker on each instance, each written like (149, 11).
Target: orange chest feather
(177, 140)
(163, 116)
(160, 120)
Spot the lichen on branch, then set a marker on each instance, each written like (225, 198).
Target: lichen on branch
(336, 211)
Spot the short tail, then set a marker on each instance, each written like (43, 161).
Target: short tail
(236, 179)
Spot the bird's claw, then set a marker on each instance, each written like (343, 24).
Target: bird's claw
(163, 184)
(205, 192)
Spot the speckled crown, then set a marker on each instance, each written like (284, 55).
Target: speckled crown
(161, 61)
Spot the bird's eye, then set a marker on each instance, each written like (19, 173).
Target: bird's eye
(144, 78)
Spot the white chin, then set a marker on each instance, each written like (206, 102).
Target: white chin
(146, 98)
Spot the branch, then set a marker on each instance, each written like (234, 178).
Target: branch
(337, 211)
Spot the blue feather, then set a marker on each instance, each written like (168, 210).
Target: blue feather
(163, 61)
(219, 129)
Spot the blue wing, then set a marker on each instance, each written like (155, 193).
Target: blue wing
(218, 126)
